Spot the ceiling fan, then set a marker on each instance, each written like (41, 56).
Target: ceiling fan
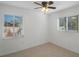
(45, 5)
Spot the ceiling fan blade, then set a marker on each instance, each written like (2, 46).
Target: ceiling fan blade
(52, 7)
(37, 7)
(50, 2)
(37, 3)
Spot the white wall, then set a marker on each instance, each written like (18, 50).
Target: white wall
(35, 29)
(68, 40)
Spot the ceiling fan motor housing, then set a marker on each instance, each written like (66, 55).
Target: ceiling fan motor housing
(44, 4)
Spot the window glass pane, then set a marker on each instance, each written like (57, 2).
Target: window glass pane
(18, 26)
(73, 23)
(62, 23)
(8, 26)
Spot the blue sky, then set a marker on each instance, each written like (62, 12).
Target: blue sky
(9, 18)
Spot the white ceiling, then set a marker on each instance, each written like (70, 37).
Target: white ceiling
(60, 5)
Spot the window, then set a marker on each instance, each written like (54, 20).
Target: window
(12, 26)
(68, 23)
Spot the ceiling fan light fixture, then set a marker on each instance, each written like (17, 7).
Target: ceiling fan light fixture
(44, 9)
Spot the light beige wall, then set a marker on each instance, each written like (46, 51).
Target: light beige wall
(68, 40)
(35, 29)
